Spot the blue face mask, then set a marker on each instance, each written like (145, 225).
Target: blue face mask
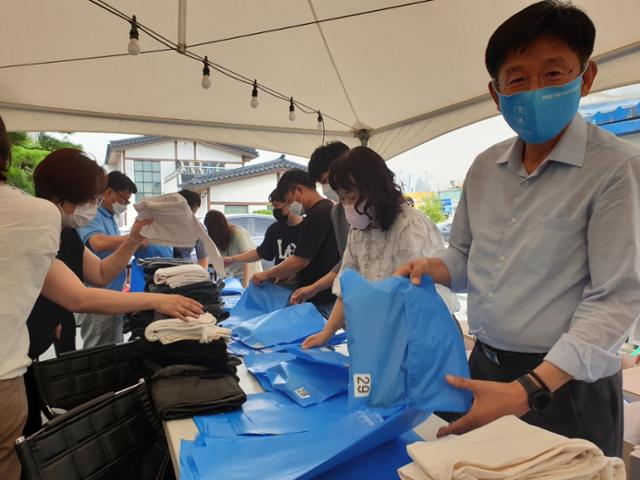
(539, 115)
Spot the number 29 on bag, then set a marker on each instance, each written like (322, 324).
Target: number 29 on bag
(361, 385)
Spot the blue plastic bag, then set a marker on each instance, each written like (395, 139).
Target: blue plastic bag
(257, 301)
(402, 342)
(232, 286)
(259, 363)
(301, 455)
(282, 326)
(308, 383)
(323, 355)
(275, 414)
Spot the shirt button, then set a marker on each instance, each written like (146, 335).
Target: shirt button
(502, 258)
(514, 220)
(490, 295)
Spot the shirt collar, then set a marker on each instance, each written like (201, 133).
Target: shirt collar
(103, 210)
(570, 149)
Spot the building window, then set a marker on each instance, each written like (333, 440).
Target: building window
(147, 178)
(230, 209)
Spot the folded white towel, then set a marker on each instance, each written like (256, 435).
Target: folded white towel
(174, 224)
(509, 448)
(203, 329)
(180, 275)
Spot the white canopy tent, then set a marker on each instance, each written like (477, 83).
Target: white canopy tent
(403, 75)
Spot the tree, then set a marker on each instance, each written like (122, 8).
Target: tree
(432, 208)
(26, 154)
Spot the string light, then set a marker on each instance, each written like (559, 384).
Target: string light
(320, 125)
(134, 46)
(292, 110)
(254, 95)
(206, 74)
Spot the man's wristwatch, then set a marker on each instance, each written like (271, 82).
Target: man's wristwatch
(539, 395)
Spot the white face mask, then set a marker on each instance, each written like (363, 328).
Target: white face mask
(357, 220)
(330, 193)
(118, 208)
(83, 215)
(296, 208)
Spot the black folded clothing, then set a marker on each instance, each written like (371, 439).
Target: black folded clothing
(204, 292)
(182, 391)
(212, 356)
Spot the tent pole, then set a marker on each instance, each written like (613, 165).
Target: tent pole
(182, 26)
(363, 135)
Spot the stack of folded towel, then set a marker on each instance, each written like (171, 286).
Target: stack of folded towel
(180, 276)
(202, 329)
(510, 449)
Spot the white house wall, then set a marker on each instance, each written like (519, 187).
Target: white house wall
(205, 153)
(252, 191)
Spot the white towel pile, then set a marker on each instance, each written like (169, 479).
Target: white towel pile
(510, 449)
(203, 329)
(180, 275)
(174, 224)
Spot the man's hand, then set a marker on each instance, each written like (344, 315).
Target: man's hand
(177, 306)
(317, 339)
(491, 400)
(228, 261)
(137, 226)
(259, 278)
(302, 294)
(414, 269)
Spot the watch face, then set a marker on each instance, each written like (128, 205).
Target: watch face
(540, 400)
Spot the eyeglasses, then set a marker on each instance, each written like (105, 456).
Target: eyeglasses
(553, 76)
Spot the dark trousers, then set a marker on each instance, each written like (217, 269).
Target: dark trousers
(592, 411)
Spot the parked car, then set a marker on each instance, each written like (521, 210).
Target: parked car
(445, 230)
(256, 225)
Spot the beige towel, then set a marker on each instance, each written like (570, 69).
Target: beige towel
(509, 448)
(174, 224)
(203, 329)
(180, 275)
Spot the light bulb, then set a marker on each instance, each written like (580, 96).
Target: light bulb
(320, 125)
(206, 74)
(254, 95)
(134, 46)
(292, 110)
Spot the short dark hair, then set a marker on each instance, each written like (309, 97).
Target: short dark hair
(192, 198)
(69, 175)
(5, 150)
(275, 196)
(364, 170)
(322, 158)
(291, 179)
(550, 18)
(218, 229)
(119, 182)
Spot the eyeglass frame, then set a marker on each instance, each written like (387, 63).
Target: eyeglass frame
(527, 79)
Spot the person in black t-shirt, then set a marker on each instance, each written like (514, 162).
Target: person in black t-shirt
(317, 251)
(280, 240)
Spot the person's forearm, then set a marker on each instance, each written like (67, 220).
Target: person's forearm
(551, 375)
(104, 243)
(246, 275)
(324, 283)
(115, 263)
(336, 319)
(246, 257)
(439, 271)
(288, 268)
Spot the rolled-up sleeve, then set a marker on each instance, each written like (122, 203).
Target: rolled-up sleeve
(456, 256)
(611, 300)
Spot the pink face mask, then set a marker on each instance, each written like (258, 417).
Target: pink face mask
(359, 221)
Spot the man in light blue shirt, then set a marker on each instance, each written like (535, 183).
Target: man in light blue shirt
(103, 237)
(546, 240)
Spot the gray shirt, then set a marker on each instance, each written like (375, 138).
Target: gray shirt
(551, 259)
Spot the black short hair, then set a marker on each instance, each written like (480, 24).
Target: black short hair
(291, 179)
(275, 196)
(119, 182)
(364, 170)
(322, 158)
(193, 198)
(550, 18)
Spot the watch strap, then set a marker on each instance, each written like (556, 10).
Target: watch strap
(539, 380)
